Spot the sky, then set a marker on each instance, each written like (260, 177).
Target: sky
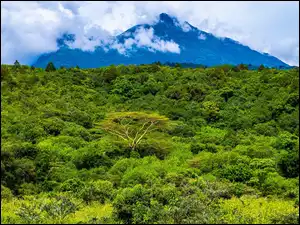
(29, 29)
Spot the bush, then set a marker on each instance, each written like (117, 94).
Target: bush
(250, 209)
(97, 191)
(288, 164)
(28, 189)
(75, 185)
(159, 148)
(238, 173)
(6, 193)
(199, 147)
(275, 184)
(182, 130)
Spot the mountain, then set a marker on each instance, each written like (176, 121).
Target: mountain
(166, 41)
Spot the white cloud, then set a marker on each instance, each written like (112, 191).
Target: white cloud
(119, 47)
(167, 46)
(31, 28)
(129, 43)
(202, 36)
(183, 25)
(186, 27)
(127, 34)
(92, 36)
(145, 38)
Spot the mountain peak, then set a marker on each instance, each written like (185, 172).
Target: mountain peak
(165, 18)
(168, 35)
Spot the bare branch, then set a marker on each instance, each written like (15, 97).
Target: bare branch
(136, 135)
(127, 134)
(116, 133)
(144, 133)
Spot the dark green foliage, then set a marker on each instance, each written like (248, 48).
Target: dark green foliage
(238, 173)
(50, 67)
(6, 193)
(260, 68)
(177, 65)
(17, 65)
(288, 219)
(74, 185)
(157, 63)
(242, 67)
(97, 191)
(110, 74)
(289, 164)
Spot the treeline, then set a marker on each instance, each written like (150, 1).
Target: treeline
(234, 67)
(149, 144)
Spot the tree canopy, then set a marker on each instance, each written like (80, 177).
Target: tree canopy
(149, 144)
(132, 126)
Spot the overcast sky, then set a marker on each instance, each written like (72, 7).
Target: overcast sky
(29, 29)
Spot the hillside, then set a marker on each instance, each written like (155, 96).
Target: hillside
(149, 144)
(165, 41)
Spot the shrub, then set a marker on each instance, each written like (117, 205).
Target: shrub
(6, 193)
(97, 191)
(238, 173)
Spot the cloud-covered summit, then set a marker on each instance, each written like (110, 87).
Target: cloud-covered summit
(138, 37)
(166, 40)
(29, 29)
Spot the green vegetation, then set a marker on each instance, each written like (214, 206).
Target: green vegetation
(149, 144)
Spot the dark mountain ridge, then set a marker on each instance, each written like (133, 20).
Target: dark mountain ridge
(169, 41)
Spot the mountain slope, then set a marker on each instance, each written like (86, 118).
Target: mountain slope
(165, 41)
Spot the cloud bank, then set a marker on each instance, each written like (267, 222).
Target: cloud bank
(145, 38)
(29, 29)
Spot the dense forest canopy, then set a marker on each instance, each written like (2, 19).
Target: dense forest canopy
(149, 144)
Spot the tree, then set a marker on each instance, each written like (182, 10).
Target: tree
(261, 67)
(242, 67)
(157, 63)
(236, 69)
(177, 65)
(110, 74)
(32, 67)
(132, 127)
(17, 65)
(202, 66)
(50, 67)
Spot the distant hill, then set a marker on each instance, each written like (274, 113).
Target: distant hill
(165, 41)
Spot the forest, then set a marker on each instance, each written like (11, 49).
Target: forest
(149, 144)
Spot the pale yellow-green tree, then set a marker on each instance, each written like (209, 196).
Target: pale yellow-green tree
(132, 127)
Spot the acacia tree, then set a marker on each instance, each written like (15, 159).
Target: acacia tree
(132, 127)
